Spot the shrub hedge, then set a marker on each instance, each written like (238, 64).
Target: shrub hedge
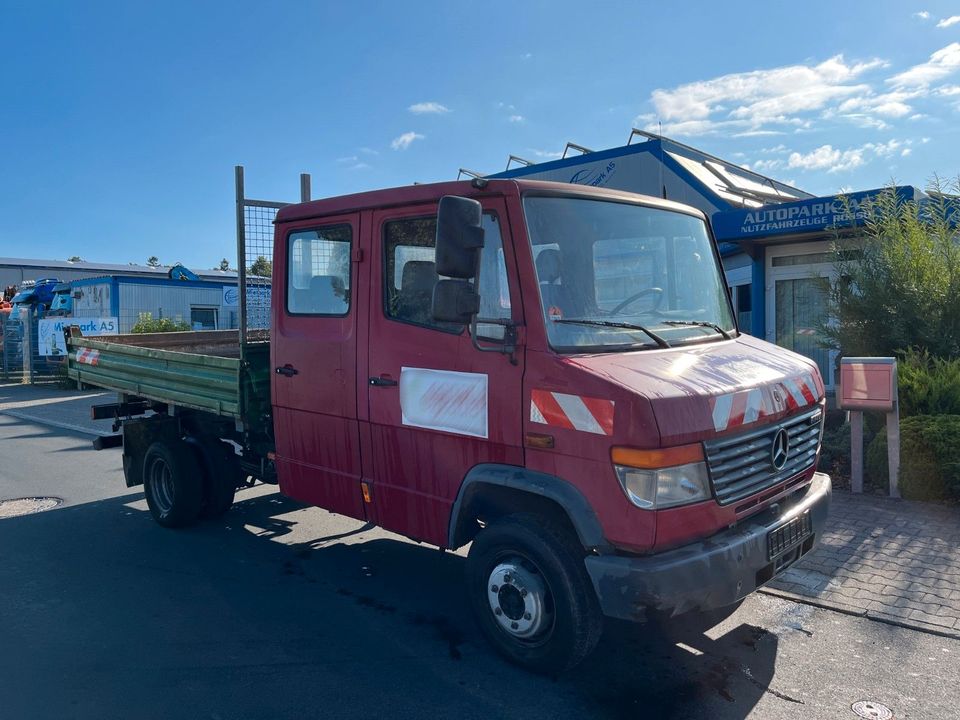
(929, 457)
(928, 385)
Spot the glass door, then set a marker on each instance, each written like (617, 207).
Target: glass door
(797, 288)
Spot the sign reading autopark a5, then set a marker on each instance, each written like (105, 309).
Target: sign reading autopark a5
(50, 332)
(810, 215)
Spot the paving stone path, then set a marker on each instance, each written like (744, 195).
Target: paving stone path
(891, 560)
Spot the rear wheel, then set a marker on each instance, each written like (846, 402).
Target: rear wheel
(172, 483)
(531, 594)
(220, 474)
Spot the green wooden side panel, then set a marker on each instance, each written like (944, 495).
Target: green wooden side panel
(201, 382)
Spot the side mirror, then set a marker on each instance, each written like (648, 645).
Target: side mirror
(455, 301)
(459, 237)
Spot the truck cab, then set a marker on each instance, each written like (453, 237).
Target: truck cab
(553, 373)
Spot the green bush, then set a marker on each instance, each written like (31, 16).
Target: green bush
(146, 324)
(835, 452)
(928, 385)
(929, 457)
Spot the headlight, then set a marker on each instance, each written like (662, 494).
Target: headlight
(655, 488)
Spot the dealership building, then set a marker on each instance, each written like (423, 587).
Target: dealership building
(775, 240)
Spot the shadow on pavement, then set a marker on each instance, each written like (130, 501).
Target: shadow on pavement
(105, 614)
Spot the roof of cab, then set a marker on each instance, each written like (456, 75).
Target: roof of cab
(412, 194)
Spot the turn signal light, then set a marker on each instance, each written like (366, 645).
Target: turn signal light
(659, 458)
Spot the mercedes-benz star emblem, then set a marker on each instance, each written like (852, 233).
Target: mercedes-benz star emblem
(780, 449)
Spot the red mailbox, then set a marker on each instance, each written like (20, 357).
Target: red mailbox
(868, 383)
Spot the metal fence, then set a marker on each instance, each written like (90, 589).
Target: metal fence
(255, 220)
(24, 357)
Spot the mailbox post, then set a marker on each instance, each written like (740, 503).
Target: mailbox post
(870, 383)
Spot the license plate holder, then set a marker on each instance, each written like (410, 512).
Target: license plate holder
(788, 535)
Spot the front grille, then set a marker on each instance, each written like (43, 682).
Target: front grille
(741, 465)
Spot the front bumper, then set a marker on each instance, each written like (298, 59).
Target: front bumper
(712, 573)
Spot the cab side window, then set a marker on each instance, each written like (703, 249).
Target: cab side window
(318, 271)
(410, 272)
(494, 289)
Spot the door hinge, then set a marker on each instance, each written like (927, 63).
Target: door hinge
(357, 255)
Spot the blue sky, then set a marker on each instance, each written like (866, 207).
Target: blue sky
(120, 123)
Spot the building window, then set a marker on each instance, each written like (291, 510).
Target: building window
(318, 271)
(202, 318)
(743, 304)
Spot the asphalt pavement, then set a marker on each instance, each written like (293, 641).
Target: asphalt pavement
(284, 611)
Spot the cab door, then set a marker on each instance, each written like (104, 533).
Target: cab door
(437, 405)
(314, 359)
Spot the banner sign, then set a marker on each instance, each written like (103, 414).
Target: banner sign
(50, 332)
(811, 215)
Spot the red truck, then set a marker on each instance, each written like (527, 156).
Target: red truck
(550, 372)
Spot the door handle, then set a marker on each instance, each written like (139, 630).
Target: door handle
(287, 370)
(382, 381)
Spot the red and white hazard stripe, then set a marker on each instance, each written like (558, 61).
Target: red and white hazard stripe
(749, 406)
(88, 356)
(573, 412)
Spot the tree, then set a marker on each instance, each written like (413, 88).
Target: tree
(153, 261)
(261, 267)
(224, 265)
(897, 283)
(74, 258)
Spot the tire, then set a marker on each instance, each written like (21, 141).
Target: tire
(549, 617)
(220, 472)
(172, 483)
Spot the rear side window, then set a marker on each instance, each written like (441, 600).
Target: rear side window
(318, 271)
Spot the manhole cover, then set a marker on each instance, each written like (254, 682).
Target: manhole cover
(872, 710)
(26, 506)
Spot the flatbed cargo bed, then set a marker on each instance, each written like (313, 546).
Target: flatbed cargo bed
(201, 370)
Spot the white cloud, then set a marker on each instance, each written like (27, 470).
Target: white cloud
(424, 108)
(526, 56)
(347, 159)
(800, 97)
(359, 166)
(822, 158)
(942, 63)
(760, 96)
(758, 133)
(922, 15)
(404, 141)
(517, 118)
(831, 159)
(763, 166)
(947, 22)
(369, 151)
(905, 152)
(546, 154)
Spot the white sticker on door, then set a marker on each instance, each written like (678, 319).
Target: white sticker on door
(454, 402)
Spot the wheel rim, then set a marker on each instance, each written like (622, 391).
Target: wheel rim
(161, 485)
(520, 599)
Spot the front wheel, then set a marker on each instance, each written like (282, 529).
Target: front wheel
(531, 595)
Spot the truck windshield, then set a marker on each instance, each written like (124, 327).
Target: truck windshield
(617, 276)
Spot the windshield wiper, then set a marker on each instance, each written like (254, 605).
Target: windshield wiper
(626, 326)
(700, 323)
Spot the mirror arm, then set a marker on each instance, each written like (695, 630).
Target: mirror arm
(507, 346)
